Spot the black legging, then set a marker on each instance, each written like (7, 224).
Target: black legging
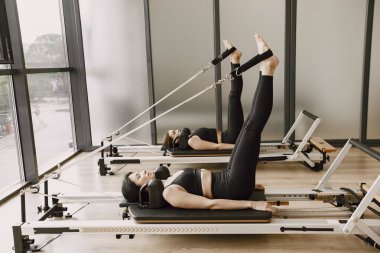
(235, 110)
(238, 180)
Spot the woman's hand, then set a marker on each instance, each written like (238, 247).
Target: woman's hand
(263, 206)
(260, 187)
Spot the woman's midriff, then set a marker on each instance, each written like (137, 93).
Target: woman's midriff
(206, 178)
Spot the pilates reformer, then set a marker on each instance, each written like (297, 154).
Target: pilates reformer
(285, 151)
(345, 217)
(311, 151)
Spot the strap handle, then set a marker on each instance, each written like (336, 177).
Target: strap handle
(252, 62)
(223, 55)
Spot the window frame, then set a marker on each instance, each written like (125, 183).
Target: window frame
(6, 56)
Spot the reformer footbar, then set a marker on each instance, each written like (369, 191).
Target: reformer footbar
(357, 224)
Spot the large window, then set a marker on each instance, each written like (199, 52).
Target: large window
(42, 33)
(51, 115)
(44, 45)
(10, 166)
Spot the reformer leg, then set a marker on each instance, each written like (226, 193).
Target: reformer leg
(22, 243)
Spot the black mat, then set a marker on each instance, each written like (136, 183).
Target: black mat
(177, 215)
(191, 152)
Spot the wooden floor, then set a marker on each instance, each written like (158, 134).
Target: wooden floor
(356, 168)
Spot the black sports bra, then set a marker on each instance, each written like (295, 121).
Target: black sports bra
(190, 180)
(206, 134)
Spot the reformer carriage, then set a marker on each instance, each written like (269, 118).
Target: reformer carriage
(311, 151)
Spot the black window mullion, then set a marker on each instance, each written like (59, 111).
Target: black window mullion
(6, 56)
(47, 70)
(366, 70)
(75, 55)
(290, 64)
(21, 93)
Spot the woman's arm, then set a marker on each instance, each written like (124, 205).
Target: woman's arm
(178, 197)
(197, 143)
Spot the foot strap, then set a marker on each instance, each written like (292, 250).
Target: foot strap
(223, 55)
(252, 62)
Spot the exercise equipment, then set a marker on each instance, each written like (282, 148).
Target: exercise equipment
(311, 151)
(348, 202)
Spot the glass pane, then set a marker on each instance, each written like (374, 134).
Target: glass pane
(52, 118)
(5, 50)
(42, 33)
(4, 66)
(178, 55)
(253, 18)
(116, 67)
(10, 168)
(330, 64)
(374, 85)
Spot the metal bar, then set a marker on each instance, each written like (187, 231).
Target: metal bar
(338, 160)
(290, 63)
(49, 212)
(149, 56)
(373, 142)
(46, 198)
(306, 137)
(276, 226)
(18, 242)
(369, 151)
(366, 70)
(298, 121)
(371, 193)
(22, 100)
(310, 115)
(7, 72)
(6, 54)
(273, 195)
(218, 71)
(23, 207)
(315, 156)
(47, 70)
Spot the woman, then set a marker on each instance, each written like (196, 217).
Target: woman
(201, 189)
(208, 138)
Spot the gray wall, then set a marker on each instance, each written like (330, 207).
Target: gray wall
(330, 46)
(329, 61)
(239, 25)
(116, 69)
(182, 43)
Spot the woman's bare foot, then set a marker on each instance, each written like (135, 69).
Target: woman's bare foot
(269, 65)
(235, 56)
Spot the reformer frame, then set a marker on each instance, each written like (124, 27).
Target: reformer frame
(356, 224)
(306, 151)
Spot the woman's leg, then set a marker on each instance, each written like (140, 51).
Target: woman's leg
(235, 109)
(242, 166)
